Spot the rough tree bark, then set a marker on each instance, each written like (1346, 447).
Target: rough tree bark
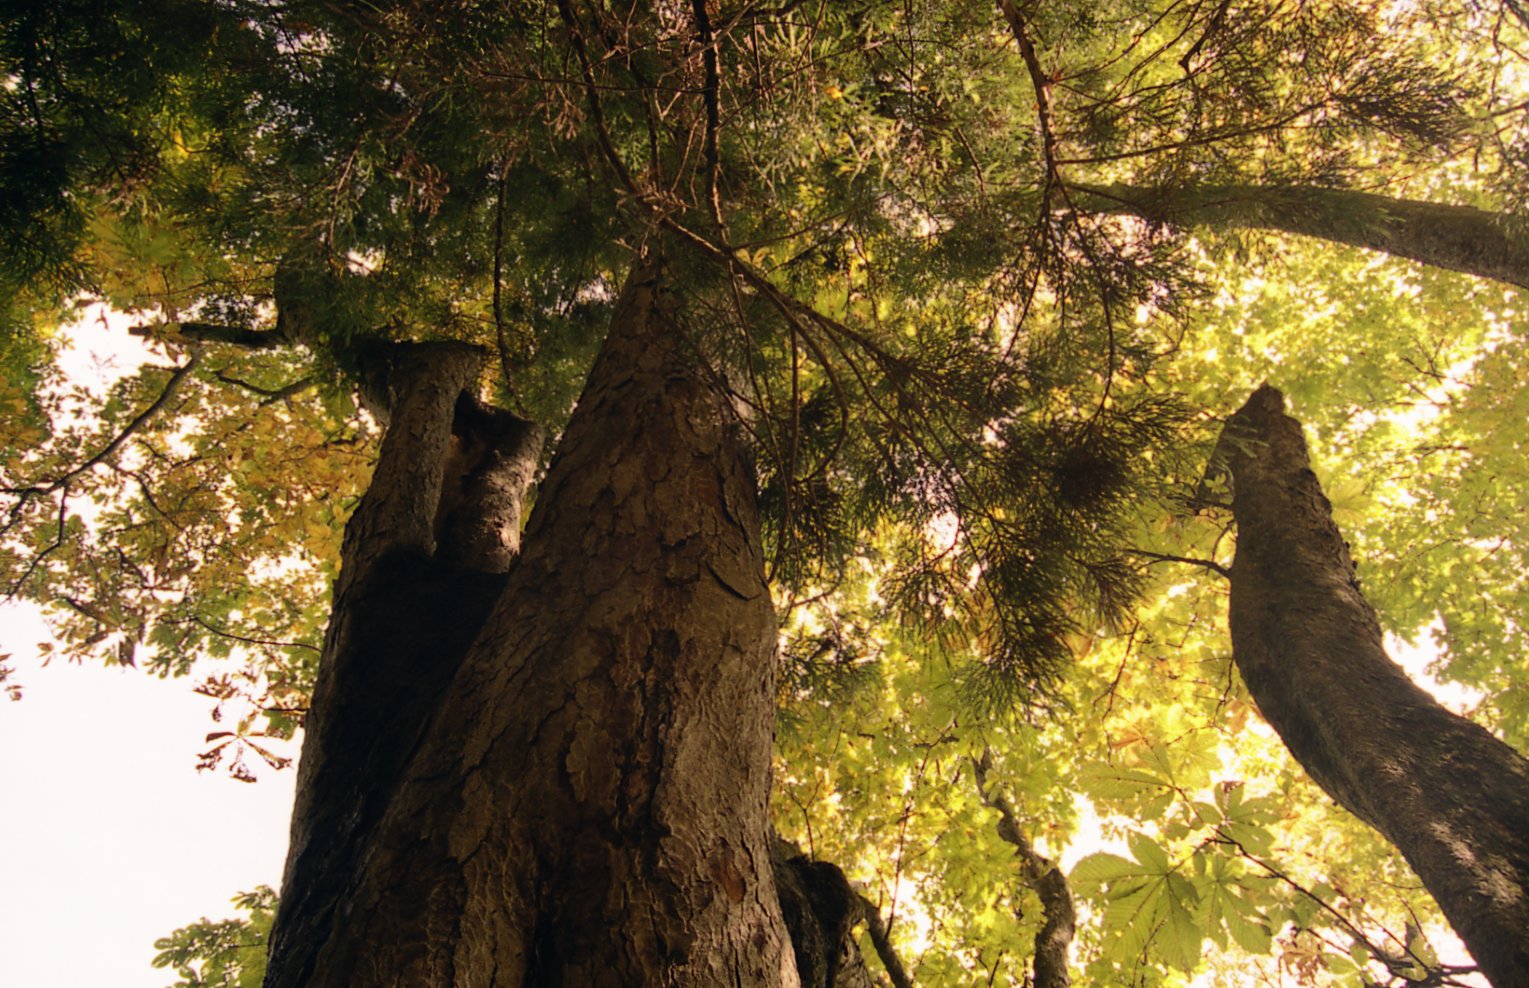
(1452, 798)
(1458, 238)
(406, 606)
(558, 775)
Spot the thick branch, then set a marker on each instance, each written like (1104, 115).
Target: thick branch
(1054, 938)
(881, 937)
(492, 459)
(409, 600)
(587, 802)
(821, 910)
(1456, 238)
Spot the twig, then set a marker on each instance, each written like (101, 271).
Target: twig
(1396, 965)
(58, 540)
(171, 386)
(222, 633)
(1161, 557)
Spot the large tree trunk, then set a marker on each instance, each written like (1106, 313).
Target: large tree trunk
(1451, 797)
(406, 607)
(1457, 238)
(585, 803)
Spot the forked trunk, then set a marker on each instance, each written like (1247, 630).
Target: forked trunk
(586, 802)
(1451, 797)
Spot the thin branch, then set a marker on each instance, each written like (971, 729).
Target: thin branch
(106, 452)
(222, 633)
(1041, 85)
(1216, 21)
(1161, 557)
(270, 395)
(503, 337)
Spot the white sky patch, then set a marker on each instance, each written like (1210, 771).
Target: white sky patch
(1416, 658)
(112, 838)
(96, 351)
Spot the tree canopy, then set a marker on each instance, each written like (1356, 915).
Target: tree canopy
(981, 282)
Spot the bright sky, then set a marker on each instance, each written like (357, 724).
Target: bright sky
(110, 837)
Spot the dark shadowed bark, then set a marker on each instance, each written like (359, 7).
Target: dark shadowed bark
(1053, 940)
(405, 610)
(1457, 238)
(1451, 797)
(586, 802)
(821, 911)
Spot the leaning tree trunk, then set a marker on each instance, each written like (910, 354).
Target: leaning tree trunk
(585, 803)
(1451, 797)
(1457, 238)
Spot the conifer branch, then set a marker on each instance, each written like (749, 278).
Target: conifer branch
(592, 93)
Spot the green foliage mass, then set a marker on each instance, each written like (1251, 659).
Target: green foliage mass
(227, 953)
(979, 410)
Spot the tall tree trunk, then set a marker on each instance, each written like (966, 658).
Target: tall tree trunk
(1457, 238)
(1452, 798)
(586, 803)
(406, 607)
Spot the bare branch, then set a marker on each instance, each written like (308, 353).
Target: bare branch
(710, 93)
(882, 940)
(1162, 557)
(1054, 938)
